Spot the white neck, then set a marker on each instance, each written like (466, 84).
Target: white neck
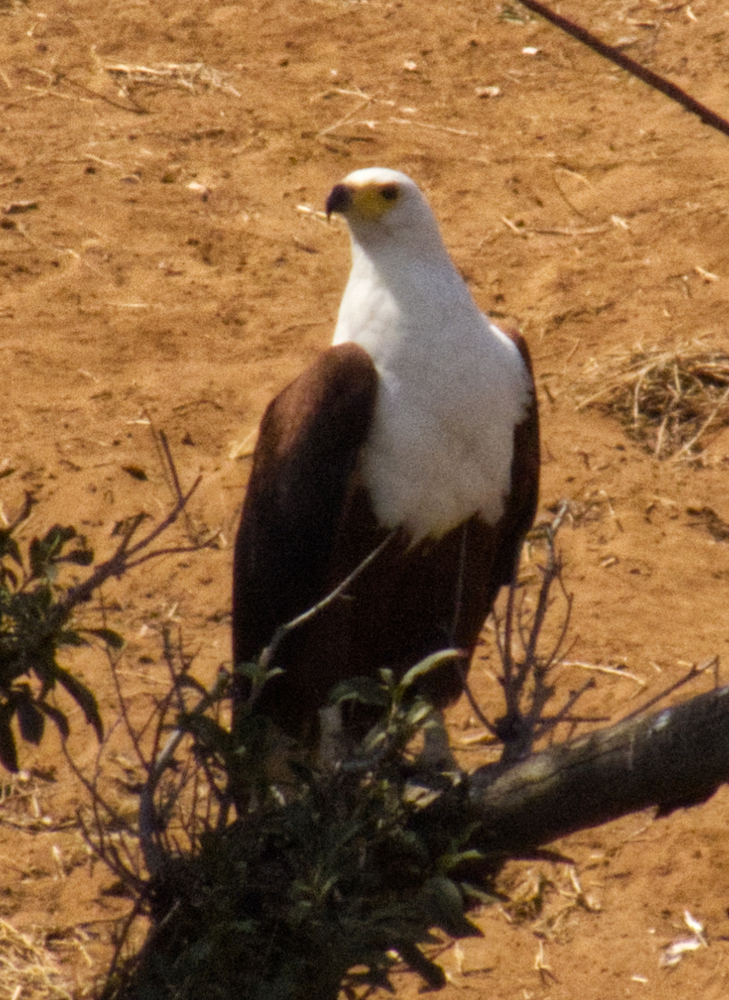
(452, 388)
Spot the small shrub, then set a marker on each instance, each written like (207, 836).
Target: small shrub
(34, 626)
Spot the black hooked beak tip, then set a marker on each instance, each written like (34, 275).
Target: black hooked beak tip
(339, 200)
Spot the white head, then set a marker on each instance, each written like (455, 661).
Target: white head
(382, 207)
(451, 387)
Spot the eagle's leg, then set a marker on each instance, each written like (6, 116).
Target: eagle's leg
(436, 754)
(334, 746)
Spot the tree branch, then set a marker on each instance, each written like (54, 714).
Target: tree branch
(673, 758)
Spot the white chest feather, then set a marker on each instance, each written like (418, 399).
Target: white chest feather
(452, 389)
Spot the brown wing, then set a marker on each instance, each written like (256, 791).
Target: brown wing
(308, 446)
(479, 558)
(523, 498)
(307, 522)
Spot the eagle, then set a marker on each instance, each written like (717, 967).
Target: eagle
(417, 432)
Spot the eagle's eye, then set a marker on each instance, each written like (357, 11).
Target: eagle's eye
(390, 192)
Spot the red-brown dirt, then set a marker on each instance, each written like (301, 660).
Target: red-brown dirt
(160, 262)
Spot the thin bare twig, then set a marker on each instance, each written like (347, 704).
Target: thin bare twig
(122, 559)
(691, 674)
(660, 83)
(283, 630)
(524, 674)
(709, 420)
(154, 854)
(478, 711)
(602, 669)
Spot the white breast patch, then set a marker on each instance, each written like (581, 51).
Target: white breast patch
(452, 388)
(441, 445)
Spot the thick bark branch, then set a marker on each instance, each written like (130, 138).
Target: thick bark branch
(669, 759)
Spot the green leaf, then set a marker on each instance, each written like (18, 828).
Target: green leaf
(420, 713)
(30, 719)
(186, 681)
(7, 574)
(9, 547)
(431, 972)
(58, 535)
(57, 716)
(248, 669)
(256, 673)
(480, 895)
(8, 750)
(45, 553)
(207, 731)
(44, 665)
(387, 677)
(454, 860)
(444, 904)
(107, 635)
(41, 597)
(136, 472)
(83, 698)
(69, 637)
(426, 665)
(80, 557)
(364, 690)
(37, 556)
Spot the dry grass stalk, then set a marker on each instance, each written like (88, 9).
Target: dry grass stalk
(28, 969)
(194, 77)
(667, 399)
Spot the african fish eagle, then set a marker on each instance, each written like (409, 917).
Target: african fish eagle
(420, 420)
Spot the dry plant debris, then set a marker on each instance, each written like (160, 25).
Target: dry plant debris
(194, 77)
(666, 398)
(28, 970)
(546, 899)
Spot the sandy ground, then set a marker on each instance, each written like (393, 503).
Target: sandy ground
(162, 265)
